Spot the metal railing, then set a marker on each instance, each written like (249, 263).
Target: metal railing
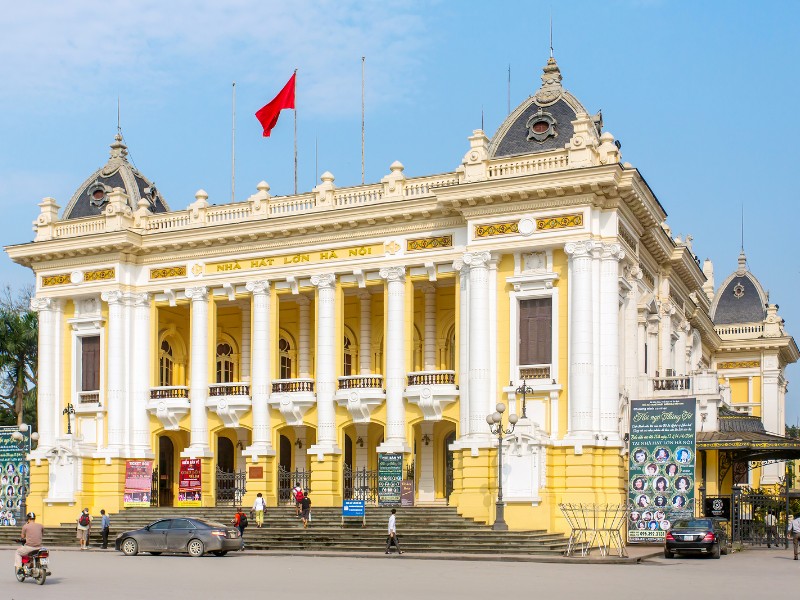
(595, 526)
(231, 487)
(432, 378)
(229, 389)
(288, 479)
(672, 384)
(360, 484)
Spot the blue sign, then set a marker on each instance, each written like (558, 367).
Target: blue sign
(353, 508)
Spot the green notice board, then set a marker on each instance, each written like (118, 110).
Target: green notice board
(390, 473)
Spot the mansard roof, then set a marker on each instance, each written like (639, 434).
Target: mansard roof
(740, 299)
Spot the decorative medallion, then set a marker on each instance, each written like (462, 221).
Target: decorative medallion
(392, 247)
(562, 222)
(99, 275)
(541, 126)
(526, 226)
(197, 270)
(738, 290)
(741, 364)
(492, 229)
(60, 279)
(167, 272)
(431, 243)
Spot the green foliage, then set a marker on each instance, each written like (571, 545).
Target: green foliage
(793, 431)
(19, 332)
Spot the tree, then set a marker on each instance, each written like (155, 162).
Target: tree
(19, 336)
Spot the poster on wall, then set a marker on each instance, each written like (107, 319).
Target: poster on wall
(14, 477)
(661, 466)
(390, 473)
(189, 483)
(138, 482)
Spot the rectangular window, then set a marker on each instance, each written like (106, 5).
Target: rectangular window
(535, 331)
(348, 364)
(286, 367)
(90, 363)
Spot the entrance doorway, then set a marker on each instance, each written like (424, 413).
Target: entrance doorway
(448, 465)
(166, 470)
(225, 458)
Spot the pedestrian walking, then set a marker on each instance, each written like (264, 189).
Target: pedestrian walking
(297, 496)
(105, 525)
(84, 521)
(259, 506)
(392, 540)
(793, 531)
(771, 525)
(305, 505)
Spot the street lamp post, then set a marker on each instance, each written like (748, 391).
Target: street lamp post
(24, 439)
(495, 421)
(524, 389)
(69, 411)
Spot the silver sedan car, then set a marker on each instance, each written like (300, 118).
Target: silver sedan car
(192, 536)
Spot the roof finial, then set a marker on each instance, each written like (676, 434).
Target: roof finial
(119, 127)
(551, 33)
(742, 263)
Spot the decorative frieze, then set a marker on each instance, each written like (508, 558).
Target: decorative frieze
(493, 229)
(627, 237)
(283, 260)
(559, 222)
(99, 274)
(648, 276)
(167, 272)
(429, 243)
(60, 279)
(524, 226)
(739, 364)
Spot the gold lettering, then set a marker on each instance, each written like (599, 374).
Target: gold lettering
(297, 258)
(353, 252)
(327, 255)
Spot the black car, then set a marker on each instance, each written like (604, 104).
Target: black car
(192, 536)
(707, 536)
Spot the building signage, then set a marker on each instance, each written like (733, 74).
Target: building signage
(284, 260)
(661, 466)
(407, 492)
(718, 507)
(138, 482)
(14, 477)
(390, 473)
(190, 482)
(353, 508)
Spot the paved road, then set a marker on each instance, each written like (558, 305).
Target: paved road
(98, 574)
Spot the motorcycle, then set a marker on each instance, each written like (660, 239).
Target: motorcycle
(34, 565)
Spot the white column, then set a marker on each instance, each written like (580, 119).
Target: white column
(633, 343)
(259, 381)
(304, 346)
(325, 363)
(581, 353)
(426, 484)
(770, 411)
(244, 359)
(362, 453)
(47, 404)
(680, 350)
(609, 340)
(430, 328)
(395, 348)
(665, 310)
(480, 393)
(463, 346)
(365, 343)
(198, 366)
(141, 377)
(115, 398)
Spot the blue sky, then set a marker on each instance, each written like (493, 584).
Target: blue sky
(701, 94)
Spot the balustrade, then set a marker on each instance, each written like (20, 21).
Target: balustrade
(174, 391)
(292, 385)
(432, 378)
(361, 382)
(229, 389)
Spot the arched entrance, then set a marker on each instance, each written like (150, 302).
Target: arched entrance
(285, 454)
(225, 457)
(448, 464)
(166, 470)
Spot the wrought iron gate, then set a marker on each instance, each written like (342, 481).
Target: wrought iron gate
(749, 518)
(360, 484)
(154, 488)
(230, 487)
(287, 480)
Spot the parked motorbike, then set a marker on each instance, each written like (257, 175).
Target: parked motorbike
(34, 565)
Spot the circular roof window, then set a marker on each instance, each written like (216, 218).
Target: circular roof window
(541, 126)
(97, 193)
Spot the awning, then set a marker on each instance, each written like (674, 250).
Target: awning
(750, 445)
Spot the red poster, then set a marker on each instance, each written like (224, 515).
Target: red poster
(138, 482)
(190, 482)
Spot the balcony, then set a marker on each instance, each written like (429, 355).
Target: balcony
(432, 391)
(169, 404)
(535, 374)
(360, 394)
(230, 401)
(681, 383)
(293, 398)
(88, 402)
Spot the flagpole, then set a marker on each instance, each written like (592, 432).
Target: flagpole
(295, 138)
(233, 144)
(509, 88)
(362, 119)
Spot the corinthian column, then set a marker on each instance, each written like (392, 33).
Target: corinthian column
(581, 365)
(48, 408)
(609, 340)
(395, 348)
(198, 383)
(141, 377)
(326, 365)
(480, 392)
(115, 399)
(304, 337)
(259, 381)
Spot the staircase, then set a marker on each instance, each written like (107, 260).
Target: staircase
(420, 530)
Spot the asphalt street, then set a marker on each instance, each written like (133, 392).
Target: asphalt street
(98, 574)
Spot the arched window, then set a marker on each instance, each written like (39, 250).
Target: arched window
(225, 363)
(450, 349)
(166, 364)
(285, 349)
(348, 357)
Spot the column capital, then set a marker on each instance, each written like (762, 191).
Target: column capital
(477, 260)
(44, 304)
(393, 273)
(112, 297)
(612, 252)
(258, 287)
(326, 280)
(580, 249)
(197, 294)
(141, 300)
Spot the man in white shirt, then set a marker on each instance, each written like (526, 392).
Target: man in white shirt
(793, 530)
(771, 525)
(392, 539)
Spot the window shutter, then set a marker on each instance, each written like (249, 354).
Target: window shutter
(90, 364)
(535, 331)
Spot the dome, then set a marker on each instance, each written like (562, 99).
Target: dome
(542, 122)
(92, 196)
(740, 299)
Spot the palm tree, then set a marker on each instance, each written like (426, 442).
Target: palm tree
(18, 359)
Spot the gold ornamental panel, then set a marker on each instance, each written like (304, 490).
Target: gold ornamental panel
(560, 222)
(741, 364)
(99, 275)
(167, 272)
(492, 229)
(60, 279)
(431, 243)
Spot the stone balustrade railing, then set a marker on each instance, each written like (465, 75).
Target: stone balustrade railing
(682, 383)
(351, 382)
(170, 391)
(432, 378)
(229, 389)
(533, 372)
(529, 166)
(89, 397)
(292, 385)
